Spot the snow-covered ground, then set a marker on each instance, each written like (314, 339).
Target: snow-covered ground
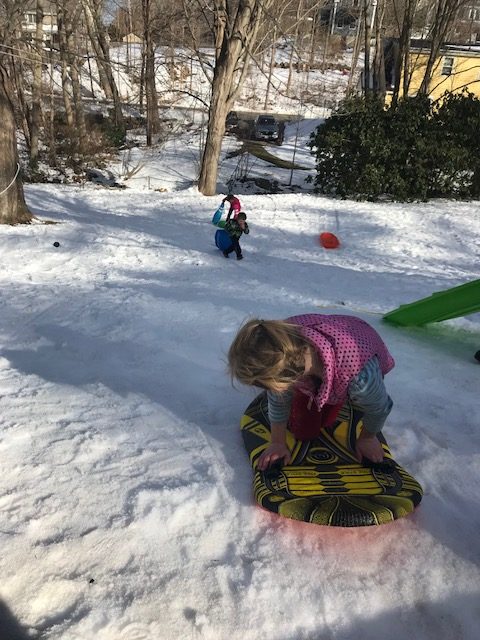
(125, 489)
(182, 77)
(181, 80)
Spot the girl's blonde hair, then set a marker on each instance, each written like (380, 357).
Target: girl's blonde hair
(268, 354)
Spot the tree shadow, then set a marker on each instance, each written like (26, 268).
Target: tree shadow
(71, 350)
(10, 628)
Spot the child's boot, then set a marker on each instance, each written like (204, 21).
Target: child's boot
(240, 257)
(225, 253)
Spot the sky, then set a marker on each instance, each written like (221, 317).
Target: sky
(126, 493)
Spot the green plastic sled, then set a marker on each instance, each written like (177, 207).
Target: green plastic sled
(443, 305)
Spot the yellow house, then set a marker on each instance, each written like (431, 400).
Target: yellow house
(456, 68)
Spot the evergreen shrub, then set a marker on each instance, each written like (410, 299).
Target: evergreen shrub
(414, 150)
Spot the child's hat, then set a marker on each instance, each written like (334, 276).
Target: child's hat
(242, 215)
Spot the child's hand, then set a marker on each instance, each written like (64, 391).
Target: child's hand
(368, 446)
(272, 453)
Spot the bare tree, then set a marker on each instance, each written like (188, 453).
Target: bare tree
(69, 23)
(234, 28)
(271, 66)
(368, 34)
(402, 66)
(378, 61)
(153, 120)
(94, 12)
(294, 45)
(62, 13)
(13, 209)
(444, 14)
(36, 112)
(436, 20)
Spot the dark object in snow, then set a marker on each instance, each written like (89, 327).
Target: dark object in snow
(56, 244)
(477, 356)
(104, 179)
(91, 581)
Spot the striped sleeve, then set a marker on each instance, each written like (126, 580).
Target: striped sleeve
(368, 394)
(279, 405)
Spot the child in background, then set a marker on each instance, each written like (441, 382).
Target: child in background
(235, 206)
(310, 365)
(235, 228)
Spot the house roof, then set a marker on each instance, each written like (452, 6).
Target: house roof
(447, 47)
(48, 6)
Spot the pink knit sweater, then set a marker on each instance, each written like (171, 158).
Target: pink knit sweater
(344, 345)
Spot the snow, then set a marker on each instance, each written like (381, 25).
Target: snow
(184, 83)
(125, 489)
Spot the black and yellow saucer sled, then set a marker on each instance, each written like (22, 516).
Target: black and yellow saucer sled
(325, 483)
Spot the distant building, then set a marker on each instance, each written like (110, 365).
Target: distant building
(340, 16)
(467, 27)
(49, 22)
(132, 38)
(456, 68)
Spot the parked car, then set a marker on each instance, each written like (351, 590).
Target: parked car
(266, 128)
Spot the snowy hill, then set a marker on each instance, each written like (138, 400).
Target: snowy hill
(126, 492)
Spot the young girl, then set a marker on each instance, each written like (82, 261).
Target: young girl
(235, 206)
(310, 364)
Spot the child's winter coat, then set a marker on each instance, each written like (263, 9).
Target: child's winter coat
(345, 344)
(234, 230)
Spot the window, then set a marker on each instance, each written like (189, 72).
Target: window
(474, 14)
(447, 66)
(31, 18)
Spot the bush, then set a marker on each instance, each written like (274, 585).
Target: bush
(413, 151)
(458, 121)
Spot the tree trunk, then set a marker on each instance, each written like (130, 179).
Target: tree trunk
(445, 13)
(13, 209)
(77, 89)
(313, 39)
(36, 113)
(67, 92)
(402, 63)
(142, 80)
(219, 107)
(64, 59)
(368, 34)
(271, 66)
(96, 32)
(294, 47)
(18, 95)
(236, 34)
(92, 34)
(153, 119)
(379, 61)
(355, 55)
(52, 150)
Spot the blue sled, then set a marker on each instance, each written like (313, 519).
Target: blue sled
(223, 240)
(218, 214)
